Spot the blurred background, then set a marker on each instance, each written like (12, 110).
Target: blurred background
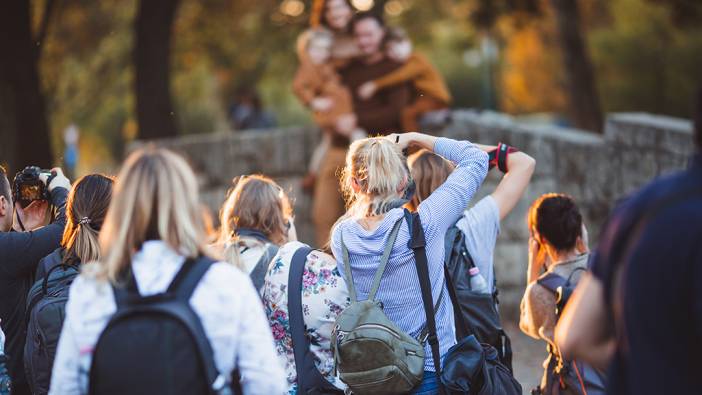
(79, 77)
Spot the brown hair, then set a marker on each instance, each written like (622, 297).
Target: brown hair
(429, 171)
(85, 211)
(256, 202)
(155, 198)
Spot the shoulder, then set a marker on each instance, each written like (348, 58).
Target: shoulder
(486, 210)
(90, 298)
(538, 296)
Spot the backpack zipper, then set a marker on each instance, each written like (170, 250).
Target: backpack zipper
(381, 327)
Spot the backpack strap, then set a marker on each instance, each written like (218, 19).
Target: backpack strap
(552, 282)
(347, 270)
(384, 259)
(381, 268)
(183, 286)
(258, 274)
(308, 376)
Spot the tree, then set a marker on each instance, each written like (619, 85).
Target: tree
(25, 128)
(584, 103)
(152, 57)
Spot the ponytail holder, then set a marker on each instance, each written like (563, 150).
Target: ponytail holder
(84, 221)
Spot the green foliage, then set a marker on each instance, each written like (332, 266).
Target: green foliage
(645, 62)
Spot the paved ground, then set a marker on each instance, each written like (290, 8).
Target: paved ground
(529, 354)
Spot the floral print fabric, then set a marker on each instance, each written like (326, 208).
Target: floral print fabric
(324, 297)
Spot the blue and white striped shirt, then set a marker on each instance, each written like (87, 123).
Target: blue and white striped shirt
(399, 289)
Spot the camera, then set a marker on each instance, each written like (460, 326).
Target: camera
(27, 187)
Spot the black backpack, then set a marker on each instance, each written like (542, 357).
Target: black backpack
(561, 376)
(309, 380)
(156, 344)
(46, 309)
(479, 310)
(469, 367)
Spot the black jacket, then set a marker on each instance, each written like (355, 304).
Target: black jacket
(20, 253)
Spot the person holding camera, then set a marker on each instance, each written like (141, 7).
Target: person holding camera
(558, 256)
(23, 242)
(378, 183)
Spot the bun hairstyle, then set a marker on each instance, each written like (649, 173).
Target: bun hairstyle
(429, 171)
(557, 219)
(379, 168)
(86, 209)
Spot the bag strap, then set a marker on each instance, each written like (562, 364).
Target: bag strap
(552, 282)
(189, 276)
(45, 280)
(417, 244)
(381, 268)
(300, 342)
(308, 376)
(258, 274)
(384, 259)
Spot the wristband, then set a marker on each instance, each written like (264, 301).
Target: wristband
(498, 157)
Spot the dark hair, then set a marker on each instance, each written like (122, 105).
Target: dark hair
(363, 15)
(697, 118)
(557, 219)
(85, 212)
(4, 184)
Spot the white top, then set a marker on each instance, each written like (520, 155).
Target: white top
(481, 226)
(250, 253)
(225, 300)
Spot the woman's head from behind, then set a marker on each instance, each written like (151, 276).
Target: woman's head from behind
(155, 198)
(256, 202)
(85, 211)
(429, 171)
(375, 176)
(556, 222)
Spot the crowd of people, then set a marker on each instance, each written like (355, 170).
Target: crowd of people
(115, 285)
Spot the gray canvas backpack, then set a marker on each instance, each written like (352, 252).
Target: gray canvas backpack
(372, 355)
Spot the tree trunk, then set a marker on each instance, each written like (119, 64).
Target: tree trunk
(25, 128)
(583, 100)
(154, 107)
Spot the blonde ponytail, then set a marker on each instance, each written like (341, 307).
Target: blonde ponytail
(379, 169)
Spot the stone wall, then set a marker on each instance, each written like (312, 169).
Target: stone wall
(596, 169)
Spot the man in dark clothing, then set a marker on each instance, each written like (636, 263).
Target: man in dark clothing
(641, 309)
(382, 114)
(20, 253)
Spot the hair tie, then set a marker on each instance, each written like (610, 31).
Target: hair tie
(84, 221)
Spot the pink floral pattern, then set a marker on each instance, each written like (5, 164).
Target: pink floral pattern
(324, 297)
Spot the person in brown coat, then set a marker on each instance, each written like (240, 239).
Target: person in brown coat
(431, 91)
(319, 87)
